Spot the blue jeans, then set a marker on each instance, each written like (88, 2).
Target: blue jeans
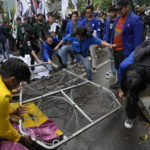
(64, 51)
(112, 61)
(3, 49)
(87, 65)
(48, 66)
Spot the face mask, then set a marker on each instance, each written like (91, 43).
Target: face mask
(40, 20)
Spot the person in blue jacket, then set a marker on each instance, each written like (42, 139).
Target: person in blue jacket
(134, 73)
(91, 22)
(107, 37)
(127, 33)
(48, 46)
(132, 33)
(73, 24)
(81, 41)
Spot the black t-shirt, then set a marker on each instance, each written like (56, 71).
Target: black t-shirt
(110, 30)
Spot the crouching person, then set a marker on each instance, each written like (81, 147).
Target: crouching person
(12, 73)
(48, 46)
(134, 73)
(81, 41)
(30, 46)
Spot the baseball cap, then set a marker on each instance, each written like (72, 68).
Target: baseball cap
(121, 4)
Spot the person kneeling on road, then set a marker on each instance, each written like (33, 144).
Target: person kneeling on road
(48, 51)
(81, 41)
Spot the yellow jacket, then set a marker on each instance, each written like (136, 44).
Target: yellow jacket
(6, 129)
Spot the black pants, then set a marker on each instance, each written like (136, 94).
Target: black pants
(118, 57)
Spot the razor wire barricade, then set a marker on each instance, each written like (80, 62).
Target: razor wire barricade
(74, 103)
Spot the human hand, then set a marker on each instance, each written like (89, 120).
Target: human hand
(49, 62)
(112, 45)
(16, 91)
(26, 139)
(20, 111)
(40, 61)
(13, 120)
(121, 94)
(56, 48)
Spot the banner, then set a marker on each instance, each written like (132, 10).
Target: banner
(74, 2)
(34, 6)
(64, 6)
(24, 6)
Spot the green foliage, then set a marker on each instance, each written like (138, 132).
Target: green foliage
(13, 11)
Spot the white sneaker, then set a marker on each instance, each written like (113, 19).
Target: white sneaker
(109, 76)
(90, 58)
(93, 70)
(108, 72)
(129, 123)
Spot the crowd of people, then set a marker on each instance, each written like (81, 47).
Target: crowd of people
(121, 31)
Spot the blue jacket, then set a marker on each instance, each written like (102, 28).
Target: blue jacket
(95, 25)
(69, 28)
(2, 35)
(48, 50)
(132, 33)
(106, 29)
(82, 47)
(124, 66)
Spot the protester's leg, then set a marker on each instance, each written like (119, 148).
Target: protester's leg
(112, 62)
(118, 57)
(8, 44)
(93, 55)
(64, 51)
(59, 55)
(2, 50)
(6, 49)
(112, 71)
(87, 65)
(133, 82)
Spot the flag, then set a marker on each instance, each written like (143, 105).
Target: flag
(34, 6)
(43, 6)
(64, 6)
(74, 2)
(24, 6)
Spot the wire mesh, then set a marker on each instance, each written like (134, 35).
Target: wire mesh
(95, 102)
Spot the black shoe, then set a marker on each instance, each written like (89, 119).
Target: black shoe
(62, 66)
(114, 86)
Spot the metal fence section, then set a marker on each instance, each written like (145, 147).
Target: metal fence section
(75, 108)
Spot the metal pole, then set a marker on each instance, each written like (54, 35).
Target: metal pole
(55, 92)
(76, 106)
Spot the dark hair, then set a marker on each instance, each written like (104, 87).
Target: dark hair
(112, 8)
(89, 7)
(39, 15)
(75, 13)
(50, 15)
(81, 31)
(18, 18)
(17, 68)
(49, 36)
